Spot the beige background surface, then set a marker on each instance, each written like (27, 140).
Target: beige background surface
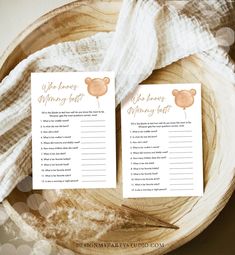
(218, 238)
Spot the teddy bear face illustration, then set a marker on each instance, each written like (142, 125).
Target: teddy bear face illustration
(184, 98)
(97, 87)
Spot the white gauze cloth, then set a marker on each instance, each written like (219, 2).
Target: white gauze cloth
(149, 35)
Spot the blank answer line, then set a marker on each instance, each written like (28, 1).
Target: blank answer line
(93, 164)
(179, 173)
(180, 147)
(185, 184)
(177, 136)
(186, 131)
(85, 137)
(91, 148)
(93, 170)
(91, 175)
(179, 157)
(181, 189)
(101, 131)
(176, 179)
(93, 158)
(92, 142)
(92, 120)
(171, 152)
(181, 168)
(180, 163)
(94, 153)
(95, 181)
(180, 141)
(93, 126)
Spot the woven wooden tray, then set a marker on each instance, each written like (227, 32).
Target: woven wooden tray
(192, 214)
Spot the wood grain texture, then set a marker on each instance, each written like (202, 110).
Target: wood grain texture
(192, 214)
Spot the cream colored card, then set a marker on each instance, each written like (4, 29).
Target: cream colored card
(73, 130)
(162, 141)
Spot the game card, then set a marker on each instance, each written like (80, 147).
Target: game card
(162, 141)
(73, 130)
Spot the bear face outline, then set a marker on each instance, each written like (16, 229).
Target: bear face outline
(97, 86)
(184, 98)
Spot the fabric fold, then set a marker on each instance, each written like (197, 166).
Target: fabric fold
(132, 54)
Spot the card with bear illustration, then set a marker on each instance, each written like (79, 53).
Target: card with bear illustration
(162, 133)
(73, 130)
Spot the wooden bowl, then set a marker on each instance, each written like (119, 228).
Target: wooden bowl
(192, 214)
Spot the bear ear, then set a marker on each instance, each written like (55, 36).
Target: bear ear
(193, 92)
(106, 80)
(175, 92)
(88, 80)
